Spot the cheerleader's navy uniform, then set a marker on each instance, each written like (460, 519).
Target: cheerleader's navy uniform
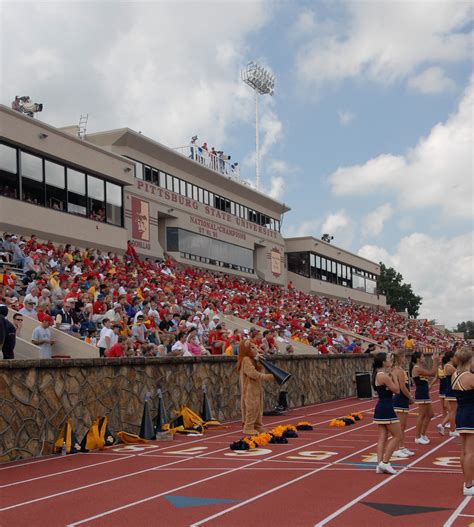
(465, 410)
(400, 400)
(442, 383)
(449, 394)
(422, 390)
(384, 413)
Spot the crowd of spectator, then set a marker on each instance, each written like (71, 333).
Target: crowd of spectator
(131, 307)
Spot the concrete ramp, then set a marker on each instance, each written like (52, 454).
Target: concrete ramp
(26, 350)
(65, 345)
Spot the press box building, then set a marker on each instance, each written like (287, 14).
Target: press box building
(106, 188)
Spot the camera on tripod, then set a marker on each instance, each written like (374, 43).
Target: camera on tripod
(24, 104)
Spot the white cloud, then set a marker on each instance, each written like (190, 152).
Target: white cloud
(279, 166)
(432, 80)
(311, 227)
(406, 223)
(304, 24)
(440, 270)
(277, 187)
(337, 224)
(272, 130)
(387, 41)
(280, 173)
(334, 222)
(43, 63)
(345, 117)
(150, 66)
(437, 172)
(373, 223)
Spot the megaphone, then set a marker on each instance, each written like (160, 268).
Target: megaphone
(281, 376)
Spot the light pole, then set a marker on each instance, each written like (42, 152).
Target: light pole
(263, 83)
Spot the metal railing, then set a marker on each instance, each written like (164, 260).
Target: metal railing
(216, 162)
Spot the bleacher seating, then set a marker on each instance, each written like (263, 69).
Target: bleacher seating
(104, 280)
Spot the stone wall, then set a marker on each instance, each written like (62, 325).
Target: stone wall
(36, 397)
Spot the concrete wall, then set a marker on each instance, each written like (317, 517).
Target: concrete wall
(328, 250)
(141, 148)
(322, 288)
(24, 218)
(37, 397)
(57, 144)
(168, 209)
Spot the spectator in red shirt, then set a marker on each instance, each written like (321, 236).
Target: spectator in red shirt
(322, 348)
(99, 309)
(131, 252)
(216, 340)
(117, 349)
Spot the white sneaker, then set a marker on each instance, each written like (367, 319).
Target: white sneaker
(408, 452)
(421, 441)
(378, 470)
(468, 491)
(400, 453)
(440, 428)
(387, 468)
(454, 434)
(426, 439)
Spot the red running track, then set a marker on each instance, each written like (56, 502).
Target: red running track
(323, 477)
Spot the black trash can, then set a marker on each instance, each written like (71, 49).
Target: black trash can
(363, 385)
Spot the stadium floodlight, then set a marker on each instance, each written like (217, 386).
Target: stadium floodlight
(263, 83)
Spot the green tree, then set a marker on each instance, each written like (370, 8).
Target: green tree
(467, 328)
(399, 295)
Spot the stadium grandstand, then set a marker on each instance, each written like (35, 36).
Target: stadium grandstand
(118, 218)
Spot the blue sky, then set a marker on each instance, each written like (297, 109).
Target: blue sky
(368, 136)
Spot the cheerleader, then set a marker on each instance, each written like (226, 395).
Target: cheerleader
(420, 375)
(385, 384)
(251, 377)
(442, 394)
(449, 397)
(463, 389)
(402, 400)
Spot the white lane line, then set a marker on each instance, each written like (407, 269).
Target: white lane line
(126, 455)
(342, 509)
(144, 500)
(155, 496)
(283, 485)
(26, 462)
(458, 511)
(284, 418)
(49, 496)
(270, 491)
(21, 463)
(64, 472)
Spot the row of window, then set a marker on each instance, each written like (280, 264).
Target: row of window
(319, 267)
(225, 265)
(184, 188)
(44, 182)
(209, 250)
